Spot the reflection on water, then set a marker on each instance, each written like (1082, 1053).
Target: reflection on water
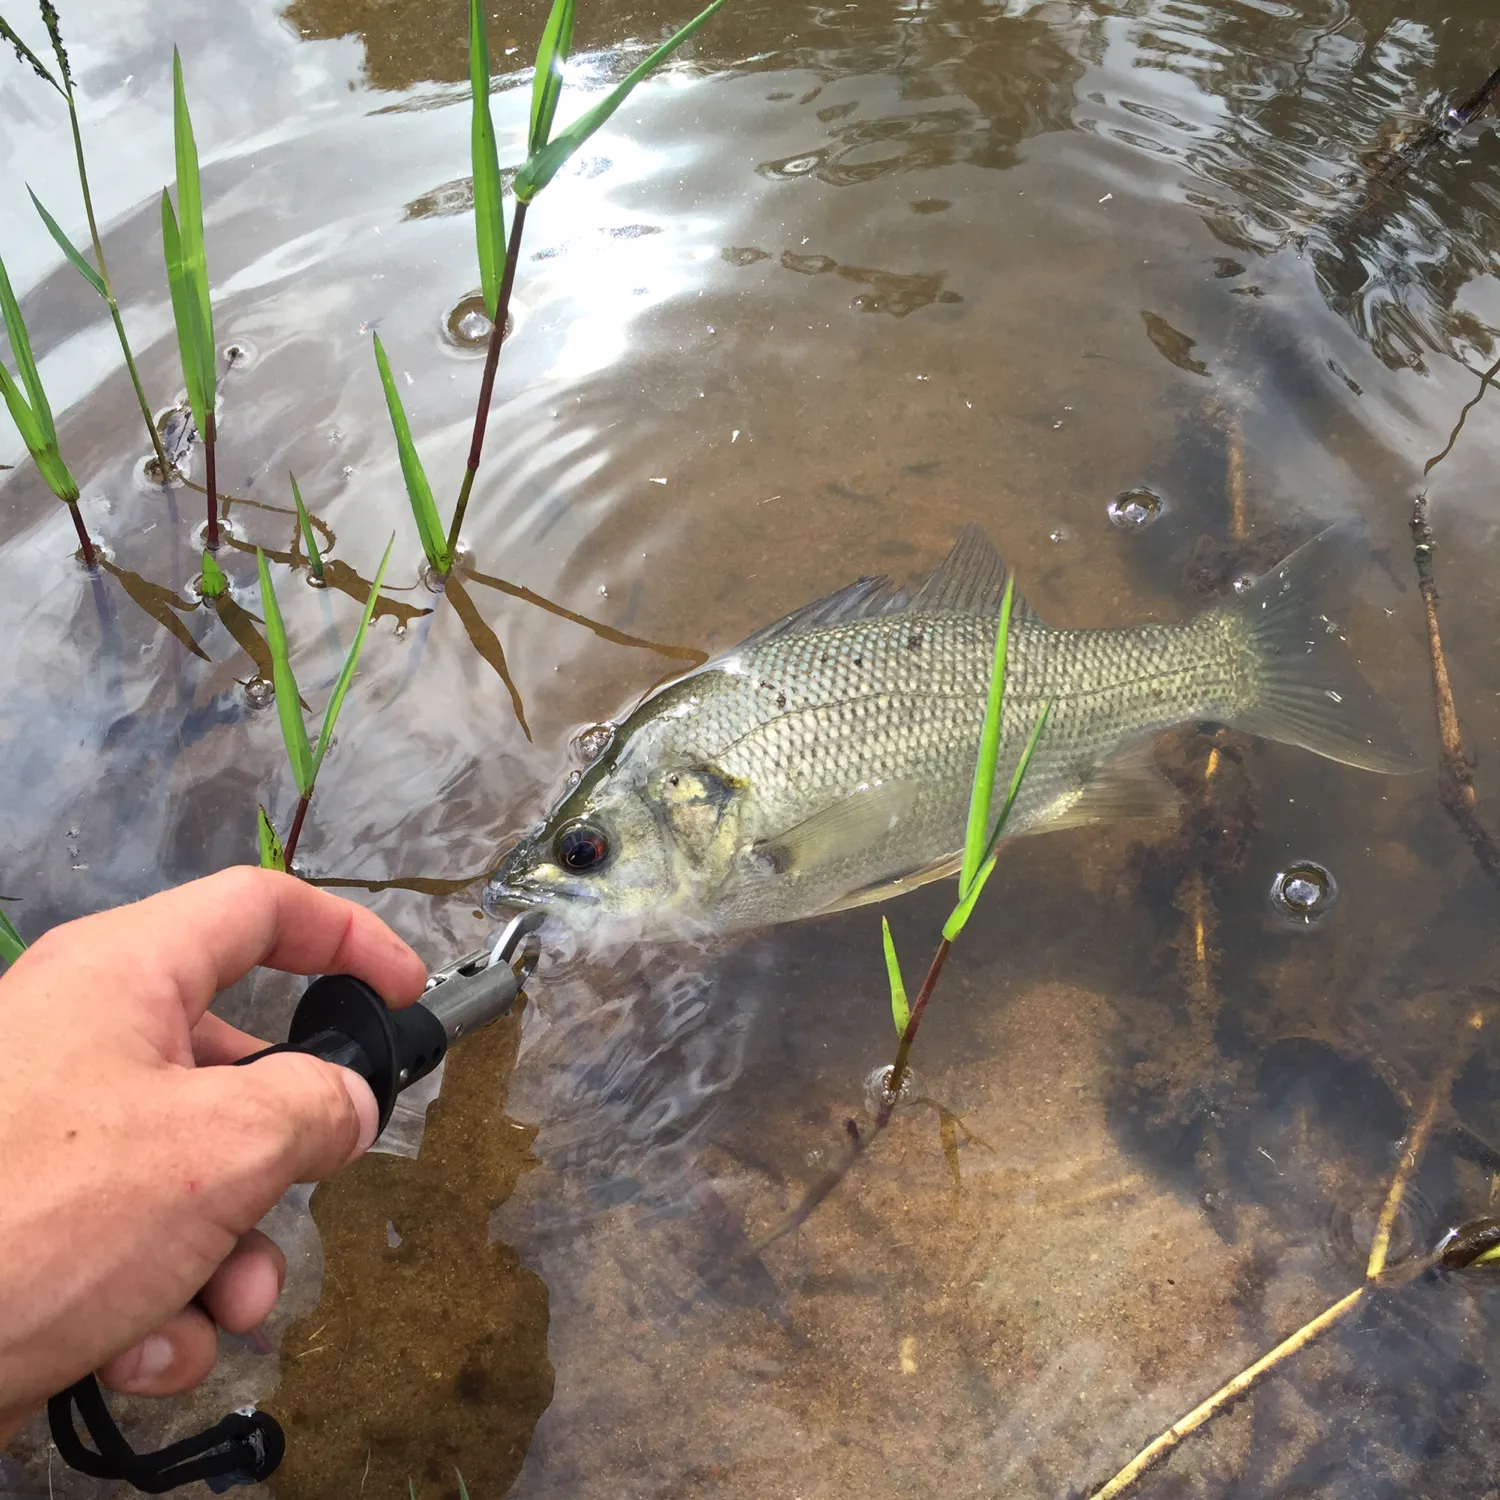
(1149, 323)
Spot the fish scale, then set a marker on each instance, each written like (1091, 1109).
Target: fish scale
(827, 760)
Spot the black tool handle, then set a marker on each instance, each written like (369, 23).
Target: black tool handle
(342, 1020)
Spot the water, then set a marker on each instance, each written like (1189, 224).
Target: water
(844, 279)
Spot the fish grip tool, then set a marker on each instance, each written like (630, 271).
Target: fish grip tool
(342, 1020)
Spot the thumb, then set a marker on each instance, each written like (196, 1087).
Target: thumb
(290, 1118)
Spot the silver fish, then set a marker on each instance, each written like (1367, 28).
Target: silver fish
(827, 760)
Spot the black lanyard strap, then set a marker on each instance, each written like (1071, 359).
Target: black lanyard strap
(244, 1448)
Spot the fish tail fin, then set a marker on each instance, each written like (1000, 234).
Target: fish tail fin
(1308, 689)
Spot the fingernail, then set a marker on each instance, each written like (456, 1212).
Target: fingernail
(156, 1357)
(365, 1107)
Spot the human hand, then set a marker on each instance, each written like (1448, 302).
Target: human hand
(132, 1174)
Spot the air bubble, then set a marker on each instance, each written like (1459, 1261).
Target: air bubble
(589, 744)
(260, 692)
(241, 354)
(1303, 893)
(468, 326)
(1243, 583)
(1136, 509)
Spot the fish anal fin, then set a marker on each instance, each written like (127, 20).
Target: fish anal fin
(1126, 785)
(846, 828)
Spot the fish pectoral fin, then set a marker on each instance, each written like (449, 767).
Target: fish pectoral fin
(847, 828)
(897, 885)
(1126, 785)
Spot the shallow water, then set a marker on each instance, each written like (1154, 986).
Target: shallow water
(843, 279)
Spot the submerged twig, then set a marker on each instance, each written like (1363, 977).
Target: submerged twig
(1456, 789)
(1376, 1276)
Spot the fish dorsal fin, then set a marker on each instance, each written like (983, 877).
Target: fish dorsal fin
(1127, 785)
(847, 828)
(864, 599)
(969, 581)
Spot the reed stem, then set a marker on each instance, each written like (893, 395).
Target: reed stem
(85, 543)
(289, 849)
(897, 1077)
(109, 291)
(487, 383)
(211, 487)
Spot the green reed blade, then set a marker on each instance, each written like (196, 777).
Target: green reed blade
(45, 455)
(489, 217)
(983, 790)
(68, 248)
(972, 892)
(546, 85)
(22, 415)
(26, 55)
(463, 1489)
(185, 314)
(418, 491)
(33, 418)
(215, 585)
(900, 1010)
(341, 687)
(12, 944)
(542, 166)
(190, 221)
(272, 856)
(309, 541)
(20, 344)
(288, 702)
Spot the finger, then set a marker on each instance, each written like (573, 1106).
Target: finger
(240, 1295)
(201, 937)
(287, 1118)
(178, 1356)
(216, 1041)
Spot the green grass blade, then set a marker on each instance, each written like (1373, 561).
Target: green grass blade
(463, 1489)
(272, 856)
(68, 248)
(21, 414)
(44, 453)
(489, 217)
(542, 166)
(20, 345)
(419, 492)
(972, 892)
(215, 584)
(12, 944)
(185, 316)
(190, 221)
(288, 703)
(900, 1010)
(983, 790)
(546, 86)
(341, 687)
(309, 541)
(26, 55)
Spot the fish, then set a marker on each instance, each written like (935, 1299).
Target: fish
(827, 760)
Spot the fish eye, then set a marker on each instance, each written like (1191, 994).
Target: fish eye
(581, 847)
